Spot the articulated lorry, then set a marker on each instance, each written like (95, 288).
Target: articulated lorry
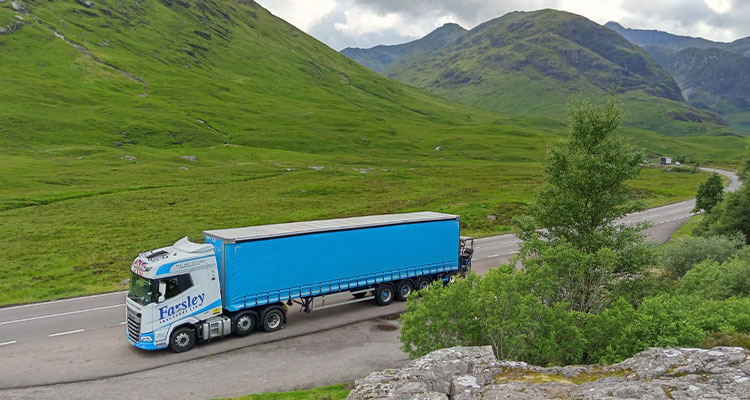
(244, 279)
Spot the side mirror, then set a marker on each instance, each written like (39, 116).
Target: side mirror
(162, 291)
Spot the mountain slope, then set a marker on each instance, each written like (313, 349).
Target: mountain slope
(531, 62)
(713, 76)
(379, 58)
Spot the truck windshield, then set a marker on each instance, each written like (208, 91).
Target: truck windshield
(140, 289)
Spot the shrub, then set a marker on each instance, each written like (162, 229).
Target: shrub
(680, 255)
(736, 339)
(501, 310)
(622, 331)
(714, 280)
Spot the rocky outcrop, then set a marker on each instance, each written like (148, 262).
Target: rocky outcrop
(473, 373)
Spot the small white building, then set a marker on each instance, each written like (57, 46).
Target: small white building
(665, 161)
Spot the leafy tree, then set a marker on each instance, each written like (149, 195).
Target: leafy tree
(730, 216)
(574, 215)
(745, 171)
(709, 193)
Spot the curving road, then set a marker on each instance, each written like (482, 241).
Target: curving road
(82, 339)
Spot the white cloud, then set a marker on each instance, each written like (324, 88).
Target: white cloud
(366, 23)
(303, 14)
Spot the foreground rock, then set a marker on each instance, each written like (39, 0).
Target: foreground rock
(474, 373)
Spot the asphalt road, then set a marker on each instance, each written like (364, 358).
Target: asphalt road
(82, 339)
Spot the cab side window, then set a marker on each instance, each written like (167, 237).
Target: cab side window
(177, 285)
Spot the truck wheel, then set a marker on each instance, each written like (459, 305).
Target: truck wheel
(182, 339)
(423, 283)
(273, 319)
(404, 289)
(450, 278)
(384, 294)
(244, 323)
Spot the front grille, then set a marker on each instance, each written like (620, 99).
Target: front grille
(134, 325)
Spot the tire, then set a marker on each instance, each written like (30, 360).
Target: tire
(182, 339)
(404, 289)
(273, 319)
(384, 294)
(450, 278)
(423, 283)
(244, 323)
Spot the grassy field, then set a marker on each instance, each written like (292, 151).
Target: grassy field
(334, 392)
(686, 230)
(244, 120)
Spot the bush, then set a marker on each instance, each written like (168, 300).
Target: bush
(736, 339)
(622, 331)
(714, 280)
(680, 255)
(501, 310)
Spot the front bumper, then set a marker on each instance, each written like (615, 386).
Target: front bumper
(144, 345)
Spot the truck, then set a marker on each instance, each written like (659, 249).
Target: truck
(244, 279)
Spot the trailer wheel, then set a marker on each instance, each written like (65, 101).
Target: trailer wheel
(273, 319)
(244, 323)
(450, 278)
(423, 283)
(182, 339)
(404, 289)
(384, 294)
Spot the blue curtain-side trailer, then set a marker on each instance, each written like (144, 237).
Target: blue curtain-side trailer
(243, 279)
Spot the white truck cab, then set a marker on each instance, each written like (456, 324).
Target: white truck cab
(172, 290)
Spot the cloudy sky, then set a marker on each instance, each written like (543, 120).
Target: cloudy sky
(366, 23)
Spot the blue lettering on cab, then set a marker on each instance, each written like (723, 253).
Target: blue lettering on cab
(189, 302)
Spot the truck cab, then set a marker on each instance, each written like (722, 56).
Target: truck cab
(172, 290)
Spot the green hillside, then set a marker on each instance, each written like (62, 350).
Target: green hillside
(127, 125)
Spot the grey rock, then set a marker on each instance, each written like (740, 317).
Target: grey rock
(190, 158)
(316, 167)
(473, 373)
(129, 158)
(18, 7)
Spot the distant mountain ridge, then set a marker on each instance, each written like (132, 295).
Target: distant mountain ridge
(714, 76)
(532, 62)
(379, 58)
(650, 37)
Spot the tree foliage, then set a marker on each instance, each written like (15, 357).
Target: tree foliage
(571, 230)
(501, 309)
(732, 214)
(709, 194)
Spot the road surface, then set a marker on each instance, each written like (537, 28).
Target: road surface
(82, 339)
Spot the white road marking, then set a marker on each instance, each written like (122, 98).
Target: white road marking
(493, 256)
(511, 242)
(65, 333)
(4, 343)
(61, 314)
(123, 322)
(514, 252)
(61, 301)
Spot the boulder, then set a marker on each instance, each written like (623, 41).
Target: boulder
(473, 373)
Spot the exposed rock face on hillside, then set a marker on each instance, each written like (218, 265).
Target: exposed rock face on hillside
(474, 373)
